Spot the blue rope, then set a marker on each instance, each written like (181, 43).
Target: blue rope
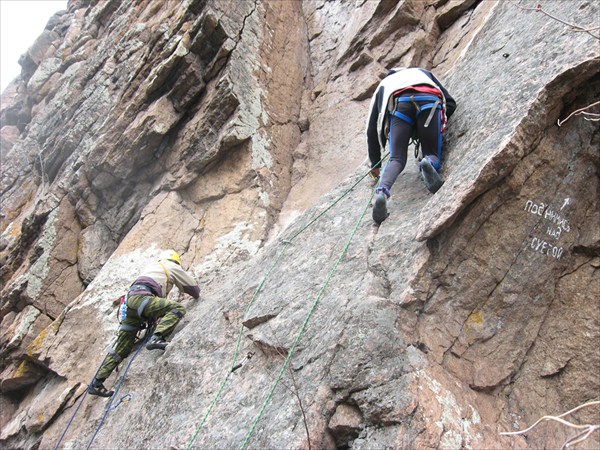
(108, 407)
(72, 417)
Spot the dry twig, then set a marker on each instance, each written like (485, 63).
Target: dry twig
(575, 28)
(580, 436)
(594, 117)
(295, 390)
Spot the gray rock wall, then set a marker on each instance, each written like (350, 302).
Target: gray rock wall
(222, 129)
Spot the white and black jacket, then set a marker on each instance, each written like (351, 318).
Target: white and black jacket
(382, 105)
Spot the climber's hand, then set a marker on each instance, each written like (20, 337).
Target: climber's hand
(375, 172)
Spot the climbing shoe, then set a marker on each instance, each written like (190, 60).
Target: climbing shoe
(430, 176)
(156, 342)
(380, 212)
(97, 388)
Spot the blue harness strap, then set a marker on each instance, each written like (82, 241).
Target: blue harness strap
(418, 98)
(435, 105)
(404, 117)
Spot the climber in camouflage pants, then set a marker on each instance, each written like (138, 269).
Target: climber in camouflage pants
(170, 313)
(145, 302)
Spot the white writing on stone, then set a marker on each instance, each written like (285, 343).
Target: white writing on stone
(543, 210)
(554, 232)
(546, 248)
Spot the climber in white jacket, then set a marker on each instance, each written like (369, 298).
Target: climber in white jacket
(408, 102)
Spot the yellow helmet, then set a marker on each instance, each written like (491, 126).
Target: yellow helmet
(170, 255)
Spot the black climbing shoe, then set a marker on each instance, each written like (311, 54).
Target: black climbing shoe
(156, 342)
(97, 388)
(380, 212)
(431, 178)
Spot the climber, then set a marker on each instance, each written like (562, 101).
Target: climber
(146, 300)
(409, 102)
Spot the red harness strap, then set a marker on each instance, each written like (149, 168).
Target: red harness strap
(419, 88)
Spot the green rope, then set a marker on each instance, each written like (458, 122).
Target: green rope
(237, 344)
(334, 203)
(302, 328)
(286, 243)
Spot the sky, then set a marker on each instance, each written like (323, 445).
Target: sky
(21, 22)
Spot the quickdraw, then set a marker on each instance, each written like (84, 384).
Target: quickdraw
(126, 398)
(244, 362)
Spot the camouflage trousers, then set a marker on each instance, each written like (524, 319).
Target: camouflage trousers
(170, 313)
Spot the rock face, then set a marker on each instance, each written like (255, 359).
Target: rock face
(233, 132)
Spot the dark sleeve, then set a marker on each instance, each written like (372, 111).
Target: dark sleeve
(450, 102)
(372, 139)
(184, 281)
(194, 291)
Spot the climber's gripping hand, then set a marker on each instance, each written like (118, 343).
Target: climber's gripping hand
(374, 173)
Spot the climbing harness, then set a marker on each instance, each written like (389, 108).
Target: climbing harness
(286, 243)
(434, 105)
(139, 310)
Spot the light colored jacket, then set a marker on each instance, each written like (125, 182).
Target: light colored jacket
(162, 275)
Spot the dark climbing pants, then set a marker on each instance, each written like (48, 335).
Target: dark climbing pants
(170, 313)
(402, 126)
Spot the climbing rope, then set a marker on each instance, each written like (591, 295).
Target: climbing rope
(237, 344)
(123, 399)
(303, 327)
(294, 236)
(286, 243)
(72, 417)
(149, 332)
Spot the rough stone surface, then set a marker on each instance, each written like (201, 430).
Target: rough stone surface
(233, 132)
(345, 424)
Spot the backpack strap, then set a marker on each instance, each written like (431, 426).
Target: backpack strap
(166, 275)
(165, 270)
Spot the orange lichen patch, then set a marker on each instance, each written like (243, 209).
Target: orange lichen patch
(12, 230)
(38, 341)
(35, 346)
(22, 369)
(476, 317)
